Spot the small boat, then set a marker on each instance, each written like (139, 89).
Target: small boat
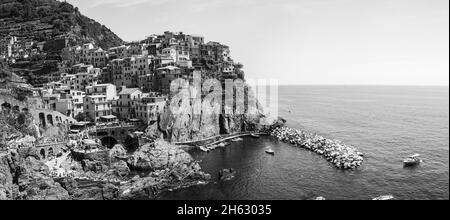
(384, 198)
(412, 160)
(255, 135)
(237, 139)
(270, 151)
(204, 149)
(223, 144)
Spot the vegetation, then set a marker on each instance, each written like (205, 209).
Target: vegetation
(64, 19)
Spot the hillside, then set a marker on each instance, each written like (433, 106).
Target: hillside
(43, 20)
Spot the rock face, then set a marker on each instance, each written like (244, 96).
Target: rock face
(158, 156)
(212, 120)
(23, 176)
(171, 168)
(7, 186)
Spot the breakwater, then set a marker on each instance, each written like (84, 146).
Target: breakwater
(340, 155)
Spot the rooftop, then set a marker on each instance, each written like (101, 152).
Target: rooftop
(169, 68)
(127, 91)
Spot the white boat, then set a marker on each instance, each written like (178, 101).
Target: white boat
(237, 139)
(412, 160)
(204, 149)
(255, 135)
(270, 151)
(384, 198)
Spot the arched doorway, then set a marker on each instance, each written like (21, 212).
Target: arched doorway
(109, 142)
(42, 153)
(42, 120)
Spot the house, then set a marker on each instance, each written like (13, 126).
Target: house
(164, 78)
(148, 108)
(123, 107)
(50, 101)
(108, 90)
(83, 80)
(77, 102)
(96, 106)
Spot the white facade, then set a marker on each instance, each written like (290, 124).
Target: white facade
(107, 90)
(96, 106)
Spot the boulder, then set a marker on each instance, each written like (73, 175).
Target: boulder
(227, 174)
(117, 152)
(120, 169)
(159, 156)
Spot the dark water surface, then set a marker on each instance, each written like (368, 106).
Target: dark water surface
(386, 123)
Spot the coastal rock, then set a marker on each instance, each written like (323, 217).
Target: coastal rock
(41, 188)
(159, 156)
(227, 174)
(171, 167)
(118, 151)
(204, 120)
(6, 177)
(34, 181)
(120, 169)
(152, 132)
(342, 156)
(94, 166)
(142, 188)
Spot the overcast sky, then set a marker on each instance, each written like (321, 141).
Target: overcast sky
(389, 42)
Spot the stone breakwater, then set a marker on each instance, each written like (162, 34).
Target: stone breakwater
(340, 155)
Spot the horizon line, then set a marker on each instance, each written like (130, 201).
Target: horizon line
(407, 85)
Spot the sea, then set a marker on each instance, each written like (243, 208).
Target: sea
(386, 123)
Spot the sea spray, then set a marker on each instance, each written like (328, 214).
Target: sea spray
(340, 155)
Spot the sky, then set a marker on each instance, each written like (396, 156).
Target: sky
(313, 42)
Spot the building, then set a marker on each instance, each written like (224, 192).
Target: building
(107, 90)
(65, 106)
(77, 102)
(83, 80)
(148, 108)
(96, 106)
(119, 52)
(228, 68)
(123, 107)
(147, 82)
(97, 57)
(164, 78)
(50, 100)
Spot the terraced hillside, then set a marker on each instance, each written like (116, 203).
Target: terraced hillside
(43, 20)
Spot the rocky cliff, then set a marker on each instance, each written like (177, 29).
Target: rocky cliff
(187, 125)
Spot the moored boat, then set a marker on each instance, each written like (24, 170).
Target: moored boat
(255, 135)
(237, 139)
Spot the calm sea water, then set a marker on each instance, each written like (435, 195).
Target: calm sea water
(386, 123)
